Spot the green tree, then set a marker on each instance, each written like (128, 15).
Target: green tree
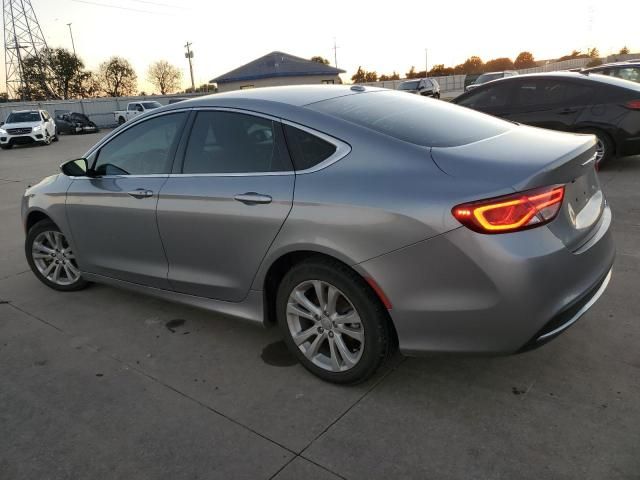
(411, 73)
(164, 76)
(360, 76)
(524, 60)
(498, 64)
(320, 59)
(473, 64)
(371, 76)
(624, 51)
(593, 52)
(117, 77)
(55, 73)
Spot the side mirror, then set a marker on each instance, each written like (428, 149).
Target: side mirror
(75, 168)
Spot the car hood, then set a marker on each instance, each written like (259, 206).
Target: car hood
(21, 125)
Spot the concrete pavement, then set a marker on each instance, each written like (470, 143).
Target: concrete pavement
(104, 383)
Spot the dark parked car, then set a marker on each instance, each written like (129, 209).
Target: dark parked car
(73, 122)
(427, 87)
(489, 77)
(606, 107)
(625, 70)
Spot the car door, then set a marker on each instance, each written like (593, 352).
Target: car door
(548, 103)
(112, 213)
(222, 209)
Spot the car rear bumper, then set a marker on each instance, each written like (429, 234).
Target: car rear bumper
(467, 292)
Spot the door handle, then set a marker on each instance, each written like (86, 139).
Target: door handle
(252, 198)
(141, 193)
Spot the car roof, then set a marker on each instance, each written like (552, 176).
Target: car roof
(604, 79)
(294, 95)
(25, 111)
(625, 64)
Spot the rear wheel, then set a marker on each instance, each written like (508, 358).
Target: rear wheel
(604, 146)
(51, 258)
(121, 120)
(332, 321)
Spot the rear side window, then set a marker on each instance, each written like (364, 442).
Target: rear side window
(414, 118)
(230, 142)
(307, 150)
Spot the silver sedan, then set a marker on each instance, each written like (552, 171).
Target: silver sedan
(357, 219)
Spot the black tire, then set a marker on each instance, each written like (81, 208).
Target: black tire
(41, 227)
(55, 138)
(607, 144)
(6, 147)
(373, 317)
(121, 120)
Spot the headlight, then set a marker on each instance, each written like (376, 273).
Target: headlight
(37, 128)
(3, 131)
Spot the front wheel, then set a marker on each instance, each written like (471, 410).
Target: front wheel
(332, 321)
(121, 120)
(6, 147)
(51, 258)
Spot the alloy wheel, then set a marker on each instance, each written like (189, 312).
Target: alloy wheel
(325, 326)
(601, 150)
(54, 258)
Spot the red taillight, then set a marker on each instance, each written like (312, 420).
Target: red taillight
(511, 213)
(633, 105)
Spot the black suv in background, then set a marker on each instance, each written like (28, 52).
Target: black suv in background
(606, 107)
(629, 70)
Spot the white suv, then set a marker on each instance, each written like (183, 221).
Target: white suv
(27, 126)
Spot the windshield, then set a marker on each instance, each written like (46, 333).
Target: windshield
(150, 105)
(487, 77)
(409, 85)
(23, 117)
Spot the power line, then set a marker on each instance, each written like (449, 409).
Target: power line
(119, 7)
(148, 2)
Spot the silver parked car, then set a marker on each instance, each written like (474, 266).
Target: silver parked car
(356, 218)
(489, 77)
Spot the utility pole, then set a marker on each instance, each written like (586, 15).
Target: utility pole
(335, 52)
(426, 62)
(72, 42)
(189, 55)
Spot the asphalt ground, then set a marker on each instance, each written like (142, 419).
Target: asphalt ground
(104, 383)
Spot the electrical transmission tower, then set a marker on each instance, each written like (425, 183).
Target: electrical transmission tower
(23, 42)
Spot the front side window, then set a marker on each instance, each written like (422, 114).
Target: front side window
(230, 142)
(151, 105)
(409, 85)
(144, 149)
(132, 107)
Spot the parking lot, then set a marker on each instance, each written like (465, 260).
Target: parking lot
(104, 383)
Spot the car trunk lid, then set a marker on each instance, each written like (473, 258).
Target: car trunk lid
(524, 158)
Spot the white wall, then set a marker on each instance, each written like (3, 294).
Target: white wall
(280, 81)
(99, 110)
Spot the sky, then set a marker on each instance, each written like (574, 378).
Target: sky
(381, 36)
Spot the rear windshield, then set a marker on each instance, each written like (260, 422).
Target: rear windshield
(487, 77)
(413, 118)
(150, 105)
(408, 85)
(23, 117)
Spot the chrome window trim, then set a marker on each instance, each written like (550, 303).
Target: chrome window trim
(342, 148)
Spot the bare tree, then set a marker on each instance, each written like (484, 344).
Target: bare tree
(117, 77)
(164, 76)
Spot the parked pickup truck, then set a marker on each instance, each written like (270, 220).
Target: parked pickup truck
(134, 109)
